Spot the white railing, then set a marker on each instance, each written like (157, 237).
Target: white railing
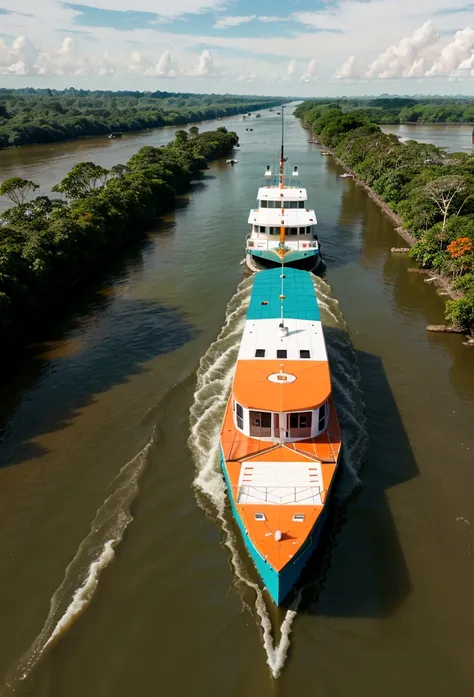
(272, 245)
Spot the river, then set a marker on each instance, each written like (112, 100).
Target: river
(121, 573)
(454, 137)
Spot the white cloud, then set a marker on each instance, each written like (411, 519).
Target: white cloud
(398, 60)
(455, 53)
(166, 67)
(347, 70)
(291, 69)
(226, 22)
(311, 72)
(205, 66)
(272, 18)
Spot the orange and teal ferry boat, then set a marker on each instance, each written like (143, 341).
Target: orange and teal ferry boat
(280, 438)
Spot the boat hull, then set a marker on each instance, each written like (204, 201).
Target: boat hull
(307, 261)
(278, 583)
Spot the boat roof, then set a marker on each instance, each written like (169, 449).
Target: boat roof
(292, 380)
(273, 216)
(288, 193)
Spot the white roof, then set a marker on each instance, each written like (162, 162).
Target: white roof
(265, 334)
(281, 483)
(293, 217)
(274, 193)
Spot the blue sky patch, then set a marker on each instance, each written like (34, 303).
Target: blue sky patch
(203, 23)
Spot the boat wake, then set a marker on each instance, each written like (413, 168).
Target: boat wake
(81, 578)
(214, 380)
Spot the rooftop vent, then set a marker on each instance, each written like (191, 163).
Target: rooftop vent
(295, 171)
(260, 516)
(268, 171)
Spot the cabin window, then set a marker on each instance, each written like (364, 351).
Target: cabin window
(260, 353)
(260, 424)
(297, 518)
(239, 416)
(274, 230)
(260, 516)
(262, 228)
(281, 353)
(300, 424)
(304, 353)
(263, 204)
(293, 204)
(300, 204)
(293, 230)
(322, 416)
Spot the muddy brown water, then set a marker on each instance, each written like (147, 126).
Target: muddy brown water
(121, 572)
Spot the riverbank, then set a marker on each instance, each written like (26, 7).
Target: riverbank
(48, 246)
(41, 117)
(420, 189)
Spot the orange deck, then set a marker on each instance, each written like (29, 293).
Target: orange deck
(239, 449)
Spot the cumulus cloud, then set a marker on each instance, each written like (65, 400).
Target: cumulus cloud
(205, 66)
(166, 67)
(23, 58)
(226, 22)
(398, 60)
(311, 72)
(347, 70)
(291, 70)
(455, 54)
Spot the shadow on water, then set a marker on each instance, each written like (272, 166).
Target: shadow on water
(98, 339)
(361, 571)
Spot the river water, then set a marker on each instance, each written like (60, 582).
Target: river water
(121, 573)
(453, 137)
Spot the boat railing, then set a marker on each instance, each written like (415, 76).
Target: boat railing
(304, 495)
(272, 245)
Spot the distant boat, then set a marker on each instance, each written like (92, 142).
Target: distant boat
(271, 110)
(326, 153)
(219, 118)
(258, 116)
(278, 113)
(231, 162)
(315, 142)
(115, 135)
(346, 175)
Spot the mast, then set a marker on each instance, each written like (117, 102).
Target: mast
(282, 152)
(281, 249)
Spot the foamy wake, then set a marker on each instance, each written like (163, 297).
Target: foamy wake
(214, 379)
(81, 578)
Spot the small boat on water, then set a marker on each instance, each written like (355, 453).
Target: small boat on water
(280, 437)
(257, 116)
(231, 162)
(282, 226)
(328, 154)
(115, 135)
(346, 175)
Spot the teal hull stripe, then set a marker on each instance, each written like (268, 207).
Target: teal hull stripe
(277, 584)
(300, 296)
(290, 257)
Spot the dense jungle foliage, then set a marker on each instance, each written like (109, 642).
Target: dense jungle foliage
(30, 116)
(47, 244)
(430, 190)
(393, 110)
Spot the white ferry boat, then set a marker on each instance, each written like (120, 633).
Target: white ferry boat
(283, 228)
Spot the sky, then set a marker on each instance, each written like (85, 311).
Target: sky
(307, 48)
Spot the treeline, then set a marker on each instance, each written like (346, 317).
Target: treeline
(46, 116)
(47, 244)
(431, 191)
(399, 110)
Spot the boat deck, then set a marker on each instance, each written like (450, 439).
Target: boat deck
(281, 483)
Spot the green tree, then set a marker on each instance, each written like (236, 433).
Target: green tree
(17, 189)
(181, 137)
(193, 131)
(82, 180)
(444, 192)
